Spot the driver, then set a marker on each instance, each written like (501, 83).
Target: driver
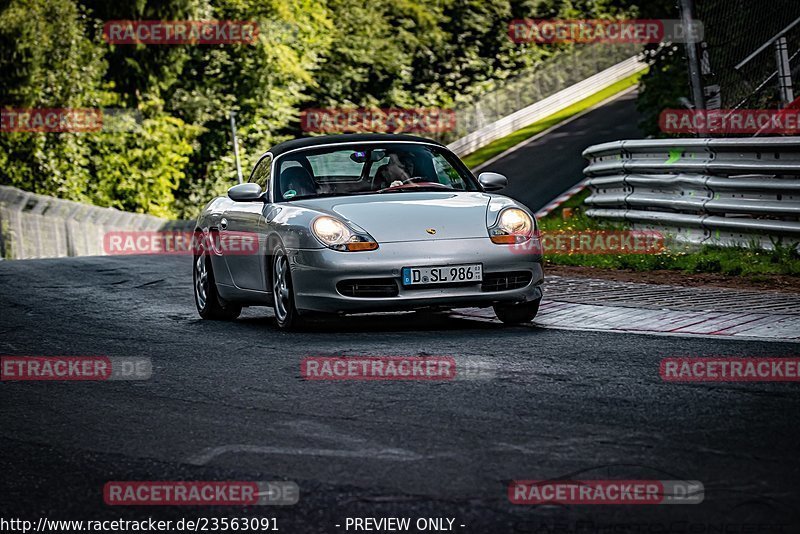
(394, 173)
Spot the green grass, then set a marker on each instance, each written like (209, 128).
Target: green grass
(501, 145)
(734, 261)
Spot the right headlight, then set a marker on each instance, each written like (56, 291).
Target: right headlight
(335, 234)
(513, 226)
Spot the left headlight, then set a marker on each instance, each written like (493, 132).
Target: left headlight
(513, 226)
(335, 234)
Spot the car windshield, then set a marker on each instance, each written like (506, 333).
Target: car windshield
(379, 168)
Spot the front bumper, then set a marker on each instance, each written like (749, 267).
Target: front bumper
(316, 274)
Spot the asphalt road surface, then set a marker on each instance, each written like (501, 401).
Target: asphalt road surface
(227, 402)
(548, 166)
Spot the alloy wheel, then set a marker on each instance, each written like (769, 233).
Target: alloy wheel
(201, 280)
(280, 287)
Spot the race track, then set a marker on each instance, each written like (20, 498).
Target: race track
(544, 167)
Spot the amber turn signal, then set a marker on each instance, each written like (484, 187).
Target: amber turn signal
(504, 239)
(361, 245)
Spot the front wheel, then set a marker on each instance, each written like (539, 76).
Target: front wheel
(521, 313)
(286, 314)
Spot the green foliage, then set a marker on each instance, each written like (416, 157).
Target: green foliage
(309, 53)
(665, 83)
(47, 58)
(54, 60)
(47, 62)
(140, 171)
(667, 80)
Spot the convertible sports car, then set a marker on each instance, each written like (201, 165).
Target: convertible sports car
(367, 223)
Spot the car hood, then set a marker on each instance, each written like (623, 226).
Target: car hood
(393, 217)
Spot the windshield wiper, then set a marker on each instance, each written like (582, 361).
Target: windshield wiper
(355, 193)
(326, 195)
(315, 195)
(419, 188)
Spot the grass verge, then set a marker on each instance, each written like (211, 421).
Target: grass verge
(754, 263)
(501, 145)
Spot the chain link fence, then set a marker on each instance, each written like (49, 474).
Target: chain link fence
(739, 64)
(558, 72)
(38, 226)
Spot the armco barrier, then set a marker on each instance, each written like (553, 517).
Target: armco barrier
(723, 192)
(38, 226)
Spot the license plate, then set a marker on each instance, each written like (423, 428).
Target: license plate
(448, 274)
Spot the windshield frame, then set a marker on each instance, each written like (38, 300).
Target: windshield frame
(467, 175)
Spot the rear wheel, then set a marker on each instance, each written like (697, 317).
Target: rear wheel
(521, 313)
(286, 314)
(209, 304)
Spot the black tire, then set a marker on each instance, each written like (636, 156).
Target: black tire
(286, 315)
(517, 313)
(206, 297)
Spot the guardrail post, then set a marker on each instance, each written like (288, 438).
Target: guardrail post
(784, 70)
(695, 80)
(12, 202)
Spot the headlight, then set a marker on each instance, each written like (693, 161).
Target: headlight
(330, 231)
(515, 221)
(335, 234)
(513, 226)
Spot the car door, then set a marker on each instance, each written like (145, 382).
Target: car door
(241, 224)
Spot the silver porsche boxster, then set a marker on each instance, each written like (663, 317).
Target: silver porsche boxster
(366, 223)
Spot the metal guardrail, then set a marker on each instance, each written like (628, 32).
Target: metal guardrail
(563, 81)
(39, 226)
(724, 192)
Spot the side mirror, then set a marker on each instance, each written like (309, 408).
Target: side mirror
(492, 181)
(245, 193)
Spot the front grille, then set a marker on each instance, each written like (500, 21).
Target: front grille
(439, 286)
(368, 288)
(506, 281)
